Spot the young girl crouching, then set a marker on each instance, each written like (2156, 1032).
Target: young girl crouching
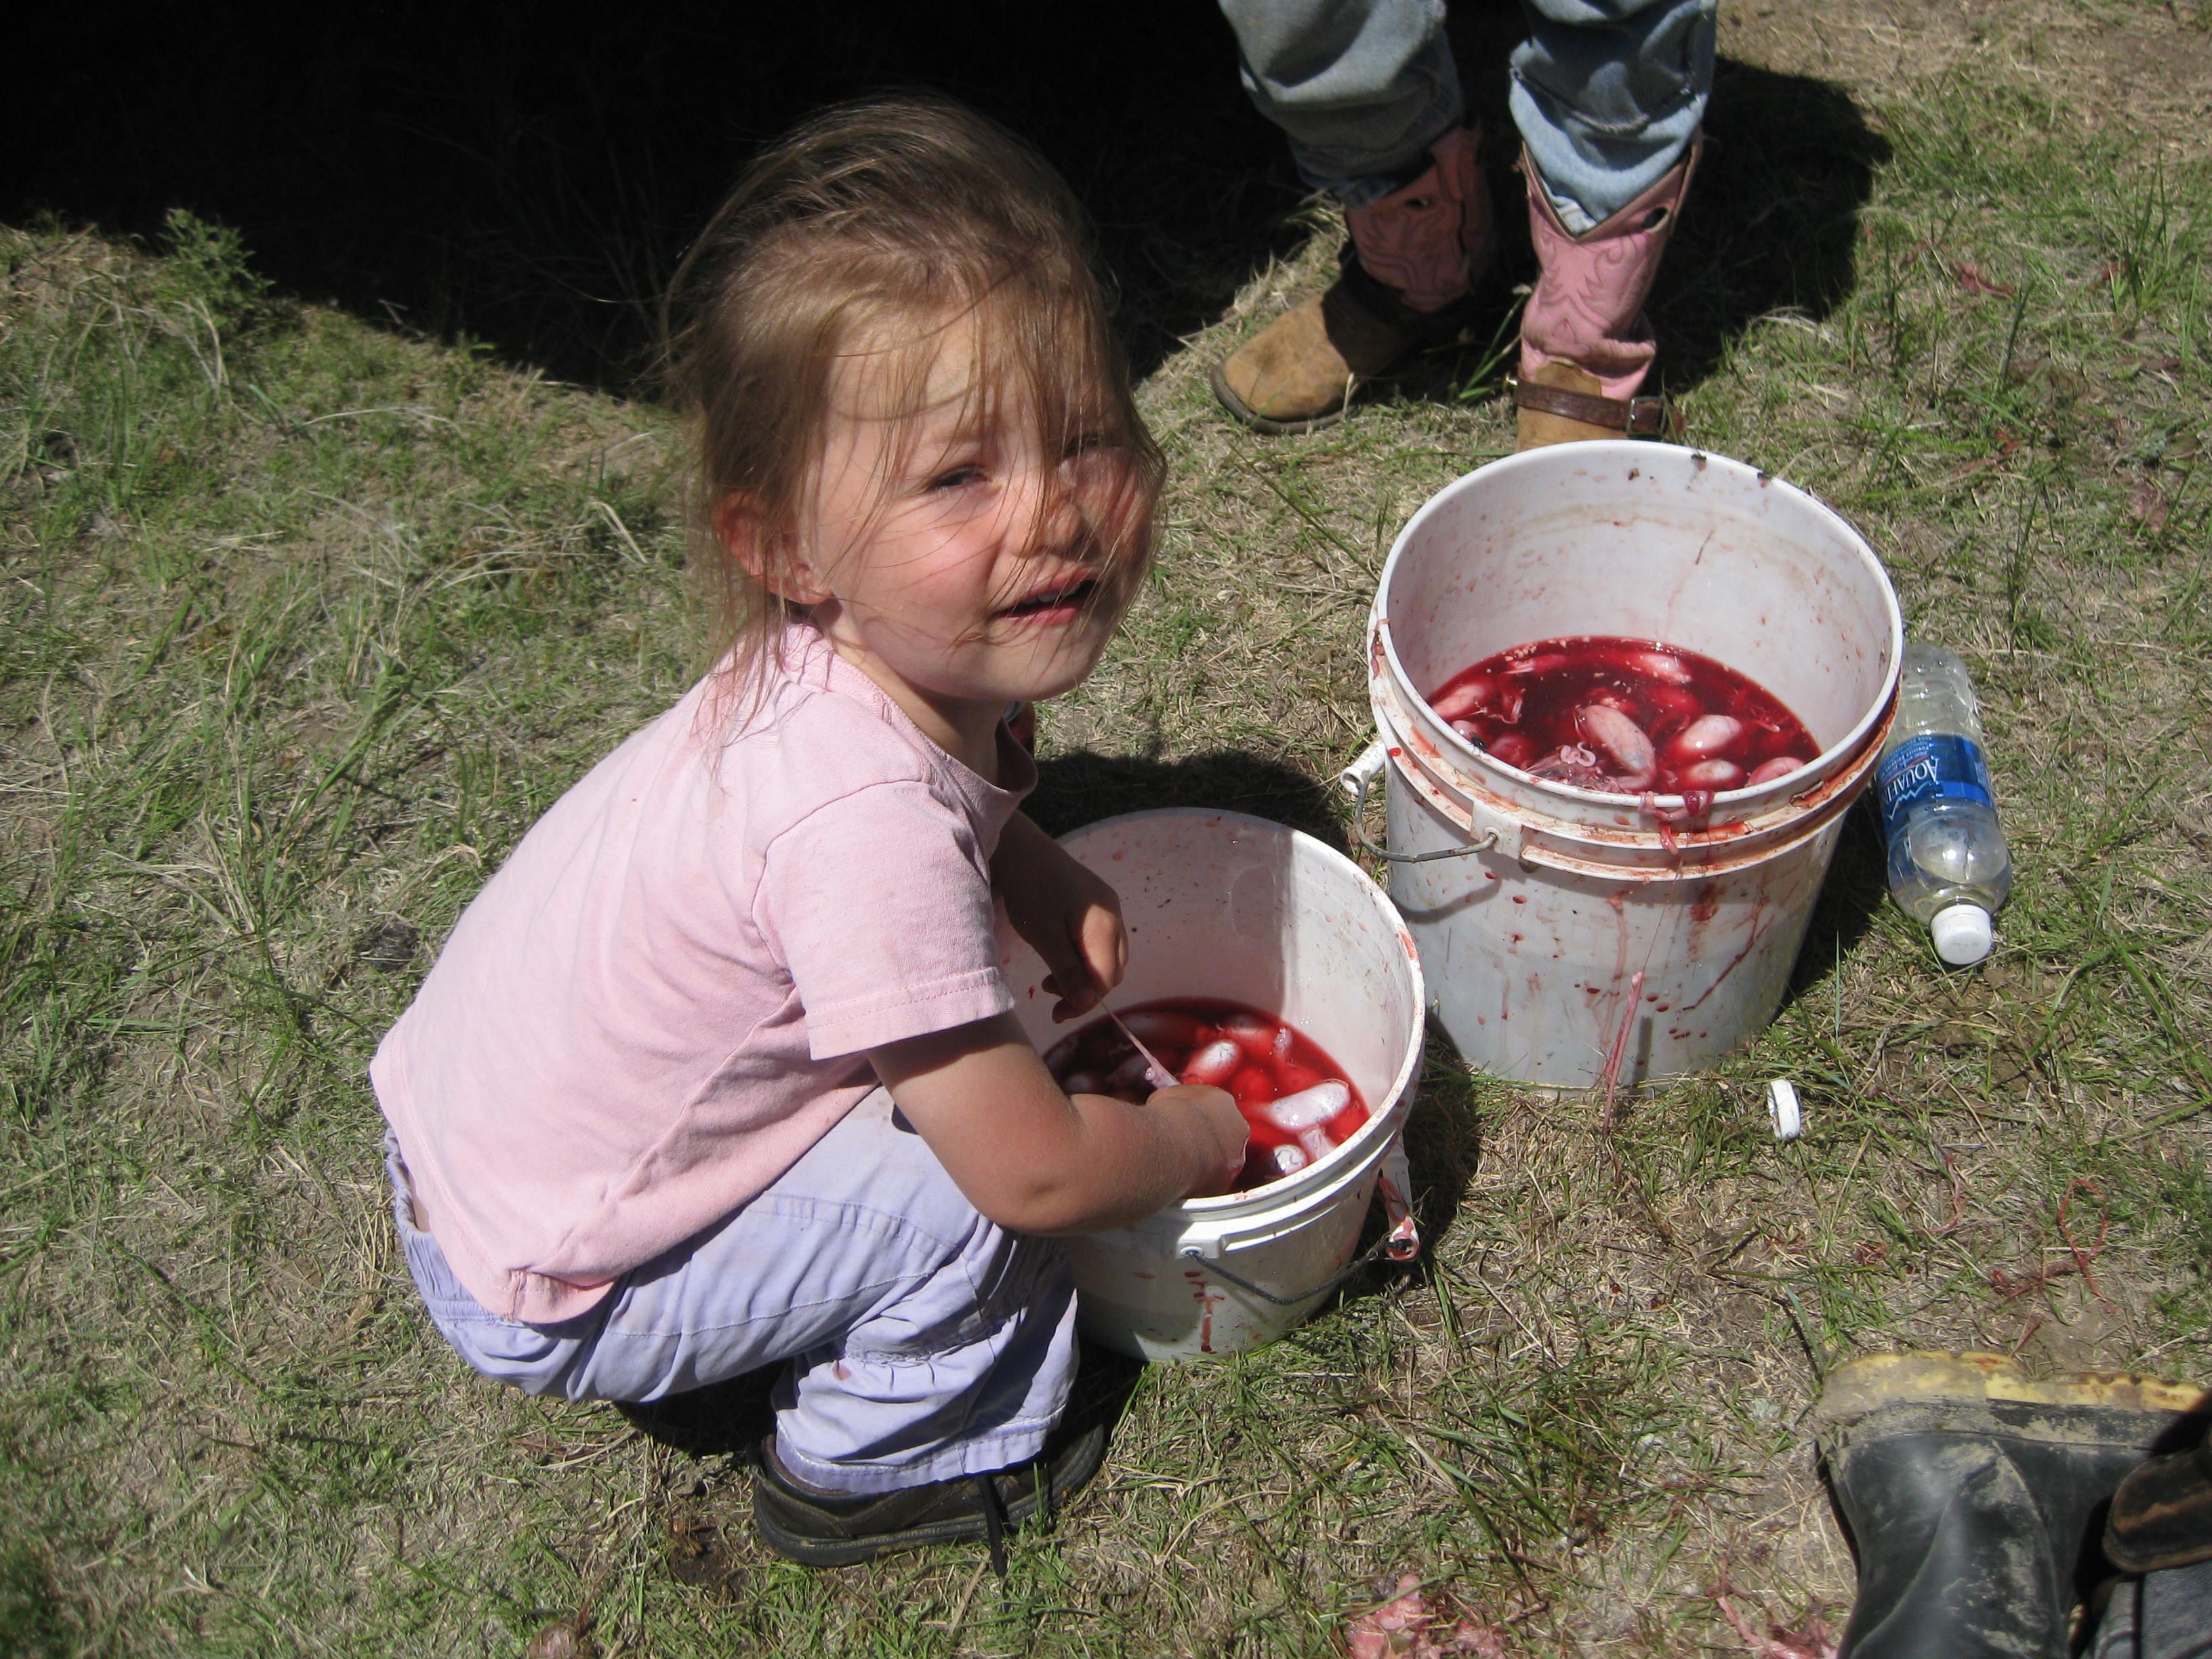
(719, 1070)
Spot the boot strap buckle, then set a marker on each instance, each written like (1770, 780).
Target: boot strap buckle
(1632, 417)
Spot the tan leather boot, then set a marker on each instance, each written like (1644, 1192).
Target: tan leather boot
(1585, 344)
(1413, 258)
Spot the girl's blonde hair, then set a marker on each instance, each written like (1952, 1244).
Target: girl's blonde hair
(878, 219)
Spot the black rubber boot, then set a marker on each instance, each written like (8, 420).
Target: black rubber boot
(1976, 1496)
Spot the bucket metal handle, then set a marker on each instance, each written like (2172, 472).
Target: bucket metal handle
(1482, 844)
(1365, 1258)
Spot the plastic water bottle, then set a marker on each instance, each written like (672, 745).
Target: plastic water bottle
(1948, 864)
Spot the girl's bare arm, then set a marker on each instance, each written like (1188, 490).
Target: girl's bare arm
(1069, 916)
(1036, 1160)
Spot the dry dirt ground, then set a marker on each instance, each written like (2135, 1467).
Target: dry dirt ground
(2142, 67)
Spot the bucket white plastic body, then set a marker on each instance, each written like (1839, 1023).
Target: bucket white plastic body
(1218, 904)
(1531, 944)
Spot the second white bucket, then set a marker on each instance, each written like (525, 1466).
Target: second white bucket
(1536, 904)
(1218, 904)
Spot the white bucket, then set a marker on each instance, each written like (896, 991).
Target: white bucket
(1542, 902)
(1218, 904)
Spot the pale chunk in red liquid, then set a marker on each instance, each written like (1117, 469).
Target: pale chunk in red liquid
(1624, 717)
(1256, 1057)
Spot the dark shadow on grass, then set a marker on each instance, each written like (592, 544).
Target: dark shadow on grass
(1443, 1137)
(730, 1418)
(1082, 787)
(487, 173)
(1856, 888)
(476, 173)
(723, 1419)
(1790, 162)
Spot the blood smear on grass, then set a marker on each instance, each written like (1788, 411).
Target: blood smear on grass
(1192, 1036)
(1527, 705)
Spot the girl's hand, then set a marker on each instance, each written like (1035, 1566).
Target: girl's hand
(1213, 1112)
(1067, 914)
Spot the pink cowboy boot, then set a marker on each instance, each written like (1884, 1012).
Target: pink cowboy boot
(1586, 344)
(1415, 255)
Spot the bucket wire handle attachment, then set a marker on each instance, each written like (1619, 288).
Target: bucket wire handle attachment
(1482, 844)
(1400, 1241)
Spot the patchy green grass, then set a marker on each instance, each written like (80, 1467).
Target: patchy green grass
(305, 623)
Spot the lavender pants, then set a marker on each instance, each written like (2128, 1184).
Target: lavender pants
(924, 1341)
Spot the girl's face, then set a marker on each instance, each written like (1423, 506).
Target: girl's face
(968, 562)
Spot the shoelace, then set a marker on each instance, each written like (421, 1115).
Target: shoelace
(994, 1520)
(995, 1524)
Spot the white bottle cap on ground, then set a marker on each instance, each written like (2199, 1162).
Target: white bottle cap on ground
(1782, 1106)
(1962, 933)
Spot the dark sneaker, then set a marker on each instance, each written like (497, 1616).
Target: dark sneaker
(821, 1531)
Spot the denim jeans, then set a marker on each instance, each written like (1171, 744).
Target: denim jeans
(924, 1341)
(1608, 94)
(2161, 1615)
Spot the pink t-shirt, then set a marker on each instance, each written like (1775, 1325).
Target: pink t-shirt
(666, 994)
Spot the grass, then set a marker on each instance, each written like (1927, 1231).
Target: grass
(307, 621)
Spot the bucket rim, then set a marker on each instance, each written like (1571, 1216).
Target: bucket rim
(1350, 1159)
(1700, 851)
(1381, 637)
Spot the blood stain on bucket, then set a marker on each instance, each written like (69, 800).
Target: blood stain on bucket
(1511, 552)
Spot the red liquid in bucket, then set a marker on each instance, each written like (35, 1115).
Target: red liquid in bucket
(1624, 717)
(1261, 1061)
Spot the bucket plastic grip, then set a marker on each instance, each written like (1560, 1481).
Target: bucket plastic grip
(1402, 1243)
(1482, 844)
